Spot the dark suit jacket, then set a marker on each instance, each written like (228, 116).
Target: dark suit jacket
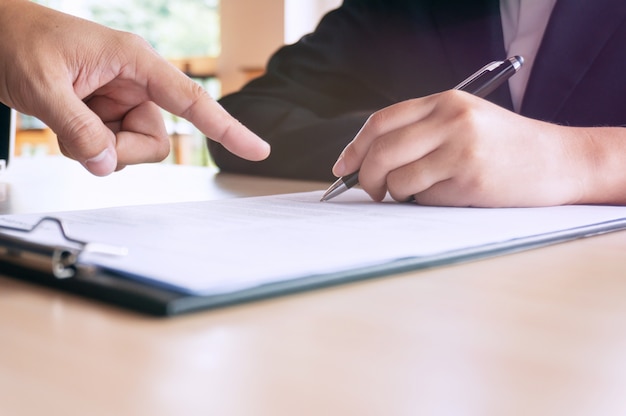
(369, 54)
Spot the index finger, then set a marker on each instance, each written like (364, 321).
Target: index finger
(379, 124)
(175, 92)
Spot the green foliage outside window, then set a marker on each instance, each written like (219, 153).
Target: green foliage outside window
(175, 28)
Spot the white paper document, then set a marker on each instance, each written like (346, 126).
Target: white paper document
(215, 247)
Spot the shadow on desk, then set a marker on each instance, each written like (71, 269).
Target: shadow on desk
(250, 185)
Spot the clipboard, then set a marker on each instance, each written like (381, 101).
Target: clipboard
(57, 266)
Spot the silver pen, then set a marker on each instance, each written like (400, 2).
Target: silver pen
(481, 83)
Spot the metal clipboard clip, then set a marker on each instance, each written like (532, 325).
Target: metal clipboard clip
(60, 260)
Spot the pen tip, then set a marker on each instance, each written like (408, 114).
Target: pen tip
(332, 191)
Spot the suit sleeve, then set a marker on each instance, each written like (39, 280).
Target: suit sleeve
(315, 96)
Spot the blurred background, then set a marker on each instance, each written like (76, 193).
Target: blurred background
(220, 44)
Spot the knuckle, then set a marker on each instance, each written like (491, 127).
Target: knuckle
(162, 150)
(470, 153)
(197, 94)
(397, 193)
(128, 49)
(459, 105)
(474, 188)
(376, 160)
(376, 121)
(379, 150)
(133, 40)
(404, 182)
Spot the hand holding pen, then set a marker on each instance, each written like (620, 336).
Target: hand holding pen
(480, 84)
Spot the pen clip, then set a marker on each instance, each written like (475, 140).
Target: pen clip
(487, 68)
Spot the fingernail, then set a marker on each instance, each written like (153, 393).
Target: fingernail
(103, 164)
(340, 167)
(267, 149)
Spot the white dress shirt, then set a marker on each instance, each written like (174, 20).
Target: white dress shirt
(523, 23)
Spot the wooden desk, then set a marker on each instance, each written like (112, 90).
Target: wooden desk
(536, 333)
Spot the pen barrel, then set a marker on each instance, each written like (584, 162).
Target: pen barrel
(351, 180)
(482, 88)
(486, 80)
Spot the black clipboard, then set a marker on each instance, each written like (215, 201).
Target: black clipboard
(56, 266)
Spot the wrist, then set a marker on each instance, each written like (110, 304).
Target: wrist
(599, 156)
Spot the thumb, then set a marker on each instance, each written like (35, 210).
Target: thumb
(82, 135)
